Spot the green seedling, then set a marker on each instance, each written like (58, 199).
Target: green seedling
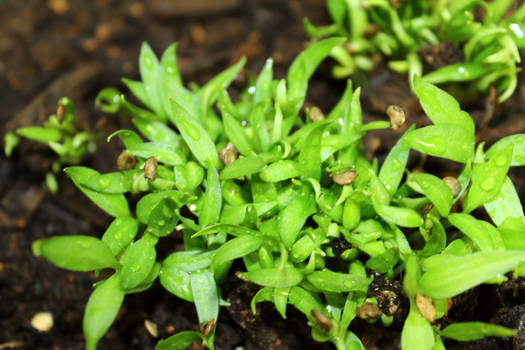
(266, 185)
(61, 135)
(401, 31)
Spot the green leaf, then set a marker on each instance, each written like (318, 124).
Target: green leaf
(209, 92)
(404, 217)
(513, 233)
(280, 171)
(176, 282)
(205, 295)
(120, 233)
(305, 302)
(437, 241)
(237, 134)
(506, 205)
(101, 310)
(393, 167)
(469, 331)
(304, 66)
(518, 155)
(137, 261)
(275, 277)
(263, 86)
(487, 179)
(417, 332)
(444, 140)
(147, 203)
(233, 249)
(384, 262)
(442, 108)
(179, 341)
(211, 210)
(149, 72)
(157, 132)
(310, 154)
(330, 281)
(77, 253)
(485, 236)
(128, 137)
(293, 217)
(164, 153)
(40, 134)
(195, 136)
(456, 72)
(245, 166)
(116, 182)
(456, 274)
(169, 74)
(435, 189)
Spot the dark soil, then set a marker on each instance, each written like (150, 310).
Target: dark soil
(53, 48)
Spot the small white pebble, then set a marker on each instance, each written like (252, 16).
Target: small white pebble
(151, 328)
(42, 321)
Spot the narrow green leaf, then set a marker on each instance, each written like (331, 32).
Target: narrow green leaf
(116, 182)
(404, 217)
(280, 171)
(205, 295)
(101, 310)
(245, 166)
(176, 282)
(443, 140)
(137, 261)
(209, 92)
(442, 108)
(235, 248)
(437, 241)
(310, 154)
(152, 200)
(156, 131)
(469, 331)
(305, 302)
(393, 167)
(211, 211)
(338, 282)
(164, 153)
(179, 341)
(487, 179)
(476, 231)
(237, 134)
(293, 218)
(456, 274)
(513, 233)
(276, 278)
(149, 72)
(435, 189)
(40, 134)
(518, 154)
(195, 136)
(128, 137)
(263, 85)
(417, 332)
(120, 233)
(77, 253)
(169, 74)
(506, 205)
(304, 66)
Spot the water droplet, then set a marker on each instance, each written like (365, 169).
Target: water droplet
(434, 145)
(170, 70)
(103, 182)
(162, 222)
(191, 130)
(135, 268)
(488, 184)
(501, 160)
(520, 139)
(148, 61)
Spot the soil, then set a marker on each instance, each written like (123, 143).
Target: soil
(53, 48)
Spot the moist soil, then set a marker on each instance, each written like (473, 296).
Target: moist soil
(55, 48)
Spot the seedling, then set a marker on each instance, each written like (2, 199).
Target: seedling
(61, 135)
(402, 30)
(254, 180)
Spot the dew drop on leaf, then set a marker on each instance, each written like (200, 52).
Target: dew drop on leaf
(488, 184)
